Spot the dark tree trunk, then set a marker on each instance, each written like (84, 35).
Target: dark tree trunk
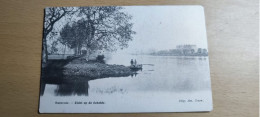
(44, 51)
(48, 28)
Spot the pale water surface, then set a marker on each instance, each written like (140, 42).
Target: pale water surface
(159, 87)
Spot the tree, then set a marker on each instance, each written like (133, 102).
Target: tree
(52, 15)
(71, 35)
(54, 47)
(105, 28)
(99, 28)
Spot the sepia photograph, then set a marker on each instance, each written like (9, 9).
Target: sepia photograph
(125, 59)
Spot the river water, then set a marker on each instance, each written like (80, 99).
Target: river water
(161, 86)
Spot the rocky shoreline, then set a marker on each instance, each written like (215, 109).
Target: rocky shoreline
(81, 68)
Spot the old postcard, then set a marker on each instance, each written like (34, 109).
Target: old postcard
(125, 59)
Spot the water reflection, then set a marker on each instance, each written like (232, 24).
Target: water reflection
(169, 74)
(190, 61)
(134, 74)
(75, 87)
(78, 87)
(109, 90)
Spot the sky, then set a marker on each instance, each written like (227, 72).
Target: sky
(164, 27)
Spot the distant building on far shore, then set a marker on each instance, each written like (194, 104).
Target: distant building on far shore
(187, 49)
(182, 50)
(204, 51)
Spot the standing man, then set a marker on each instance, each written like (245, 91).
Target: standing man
(132, 62)
(135, 63)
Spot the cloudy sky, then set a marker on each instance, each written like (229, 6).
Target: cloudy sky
(164, 27)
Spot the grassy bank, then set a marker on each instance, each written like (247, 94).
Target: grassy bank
(93, 69)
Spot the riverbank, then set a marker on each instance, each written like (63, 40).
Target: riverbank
(81, 68)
